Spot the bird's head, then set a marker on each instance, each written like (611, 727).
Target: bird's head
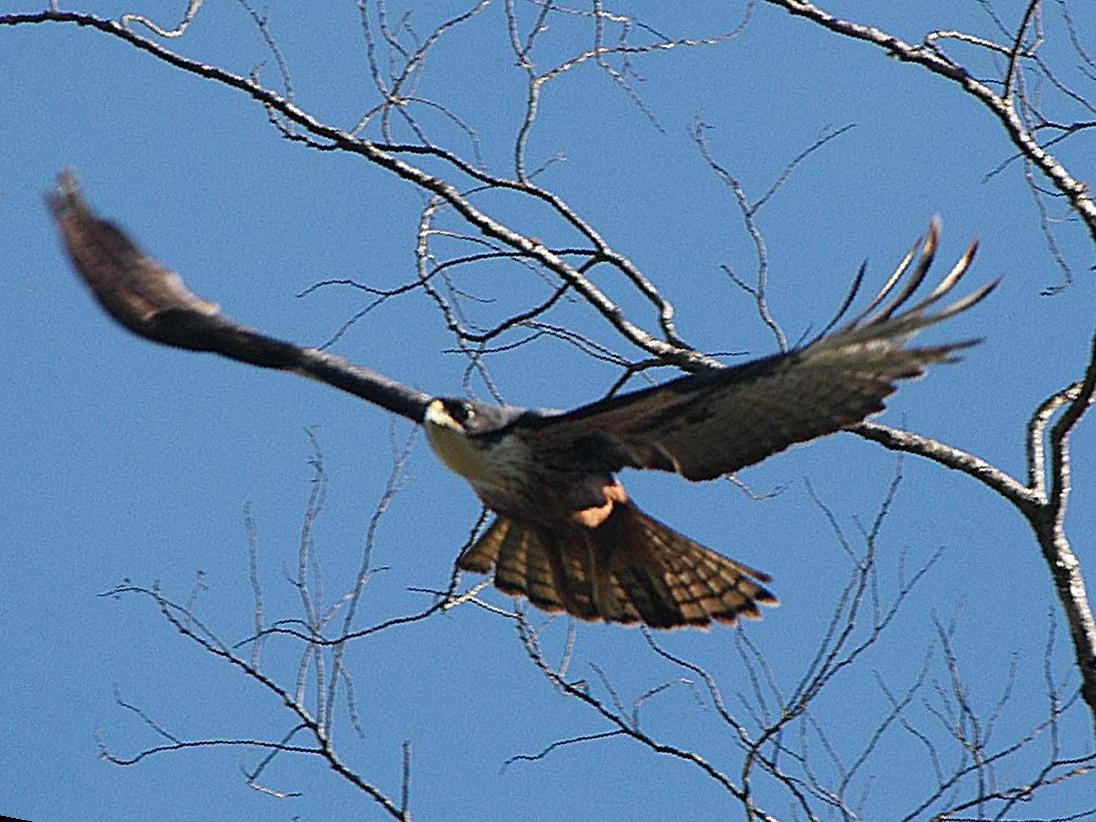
(473, 419)
(459, 432)
(454, 414)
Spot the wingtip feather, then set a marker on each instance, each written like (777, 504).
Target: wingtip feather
(66, 197)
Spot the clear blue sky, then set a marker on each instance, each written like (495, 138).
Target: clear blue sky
(123, 460)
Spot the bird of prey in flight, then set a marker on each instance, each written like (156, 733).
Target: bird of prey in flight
(566, 535)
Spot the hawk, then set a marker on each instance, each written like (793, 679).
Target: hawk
(566, 535)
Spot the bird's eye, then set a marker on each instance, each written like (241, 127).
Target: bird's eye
(461, 411)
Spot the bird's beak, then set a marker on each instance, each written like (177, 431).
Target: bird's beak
(437, 415)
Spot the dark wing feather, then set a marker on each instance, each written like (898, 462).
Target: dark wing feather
(713, 423)
(155, 303)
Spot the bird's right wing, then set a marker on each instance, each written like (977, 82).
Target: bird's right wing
(704, 425)
(154, 302)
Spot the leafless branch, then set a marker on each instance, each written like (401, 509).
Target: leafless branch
(193, 629)
(778, 731)
(764, 739)
(670, 349)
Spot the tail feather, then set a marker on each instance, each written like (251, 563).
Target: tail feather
(541, 584)
(646, 597)
(513, 556)
(485, 551)
(705, 583)
(693, 584)
(630, 569)
(630, 608)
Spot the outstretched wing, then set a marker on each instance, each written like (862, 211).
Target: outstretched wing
(714, 423)
(155, 303)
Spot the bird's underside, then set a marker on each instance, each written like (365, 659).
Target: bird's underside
(566, 535)
(629, 569)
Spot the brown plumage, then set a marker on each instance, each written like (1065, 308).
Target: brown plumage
(628, 569)
(567, 536)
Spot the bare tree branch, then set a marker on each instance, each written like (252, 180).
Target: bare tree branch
(1002, 107)
(1044, 514)
(776, 725)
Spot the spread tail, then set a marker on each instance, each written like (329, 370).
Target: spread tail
(630, 569)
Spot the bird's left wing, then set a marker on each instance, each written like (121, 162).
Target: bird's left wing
(716, 422)
(154, 302)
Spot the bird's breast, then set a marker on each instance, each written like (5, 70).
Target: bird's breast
(453, 449)
(501, 463)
